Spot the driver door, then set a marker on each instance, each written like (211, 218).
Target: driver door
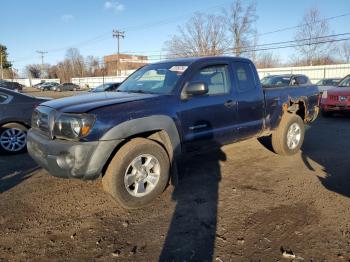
(208, 120)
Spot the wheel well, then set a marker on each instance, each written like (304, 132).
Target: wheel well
(159, 136)
(14, 122)
(298, 108)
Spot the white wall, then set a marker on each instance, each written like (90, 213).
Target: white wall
(315, 73)
(92, 82)
(32, 81)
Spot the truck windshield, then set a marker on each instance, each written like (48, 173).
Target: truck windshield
(154, 79)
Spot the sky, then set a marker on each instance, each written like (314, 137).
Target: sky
(55, 25)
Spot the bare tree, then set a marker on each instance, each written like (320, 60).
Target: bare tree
(33, 71)
(241, 24)
(344, 51)
(92, 65)
(202, 35)
(267, 60)
(77, 62)
(312, 30)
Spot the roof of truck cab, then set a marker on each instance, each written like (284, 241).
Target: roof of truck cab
(190, 60)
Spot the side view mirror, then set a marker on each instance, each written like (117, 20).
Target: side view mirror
(196, 89)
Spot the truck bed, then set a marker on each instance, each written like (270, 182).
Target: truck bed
(276, 97)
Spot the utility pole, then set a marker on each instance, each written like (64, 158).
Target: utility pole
(42, 53)
(2, 67)
(118, 34)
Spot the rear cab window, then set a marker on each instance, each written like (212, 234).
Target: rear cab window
(245, 77)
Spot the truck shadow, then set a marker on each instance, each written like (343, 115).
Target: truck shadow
(192, 231)
(14, 170)
(327, 142)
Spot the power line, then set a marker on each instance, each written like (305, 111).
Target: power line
(297, 26)
(168, 21)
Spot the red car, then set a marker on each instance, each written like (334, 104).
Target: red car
(336, 99)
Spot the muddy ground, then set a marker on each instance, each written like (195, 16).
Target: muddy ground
(240, 203)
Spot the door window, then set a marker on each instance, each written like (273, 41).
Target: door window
(216, 78)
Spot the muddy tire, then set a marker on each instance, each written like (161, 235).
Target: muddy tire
(13, 139)
(289, 136)
(138, 173)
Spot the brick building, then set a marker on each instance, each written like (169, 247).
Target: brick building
(126, 63)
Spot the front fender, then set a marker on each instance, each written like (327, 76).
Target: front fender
(146, 124)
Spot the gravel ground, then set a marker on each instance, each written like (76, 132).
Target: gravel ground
(240, 203)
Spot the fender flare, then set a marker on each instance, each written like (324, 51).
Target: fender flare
(146, 124)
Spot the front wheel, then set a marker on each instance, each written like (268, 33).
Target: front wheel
(13, 138)
(138, 173)
(289, 136)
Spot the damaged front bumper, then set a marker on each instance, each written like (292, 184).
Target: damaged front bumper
(70, 159)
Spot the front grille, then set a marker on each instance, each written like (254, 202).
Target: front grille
(339, 98)
(42, 118)
(333, 97)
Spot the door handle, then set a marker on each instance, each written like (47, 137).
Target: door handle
(229, 103)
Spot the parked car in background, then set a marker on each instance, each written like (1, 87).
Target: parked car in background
(38, 85)
(15, 119)
(65, 87)
(322, 88)
(136, 137)
(336, 99)
(48, 86)
(11, 85)
(328, 82)
(107, 87)
(284, 80)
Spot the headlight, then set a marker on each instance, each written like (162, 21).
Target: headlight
(324, 95)
(73, 126)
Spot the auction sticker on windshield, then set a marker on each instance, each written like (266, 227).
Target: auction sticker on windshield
(179, 69)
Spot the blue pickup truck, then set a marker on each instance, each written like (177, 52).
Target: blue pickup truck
(136, 137)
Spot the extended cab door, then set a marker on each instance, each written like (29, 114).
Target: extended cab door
(250, 98)
(208, 120)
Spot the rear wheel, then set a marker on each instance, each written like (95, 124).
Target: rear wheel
(138, 173)
(13, 138)
(289, 136)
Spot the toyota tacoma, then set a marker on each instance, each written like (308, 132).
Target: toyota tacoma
(136, 137)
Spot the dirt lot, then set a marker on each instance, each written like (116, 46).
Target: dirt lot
(242, 203)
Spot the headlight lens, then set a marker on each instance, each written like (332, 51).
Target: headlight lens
(324, 95)
(73, 126)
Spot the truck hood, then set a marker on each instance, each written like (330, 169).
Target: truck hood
(339, 91)
(88, 102)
